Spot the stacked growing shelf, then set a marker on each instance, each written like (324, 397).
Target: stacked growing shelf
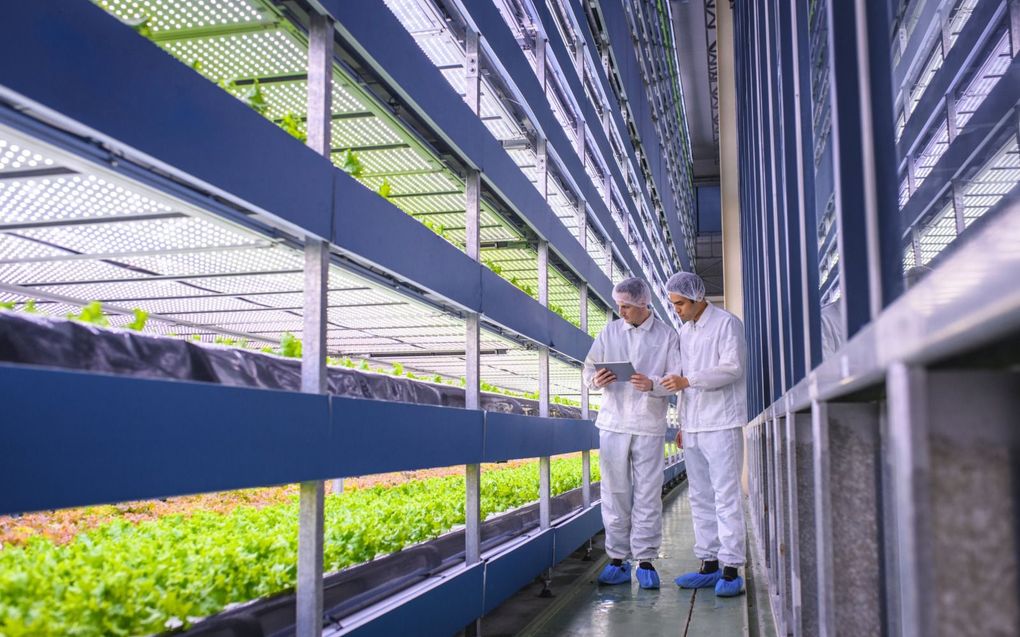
(172, 183)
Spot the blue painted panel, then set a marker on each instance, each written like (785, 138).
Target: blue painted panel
(162, 438)
(375, 436)
(995, 108)
(442, 610)
(617, 25)
(509, 306)
(376, 34)
(379, 37)
(709, 209)
(508, 573)
(167, 110)
(571, 535)
(505, 177)
(498, 35)
(376, 230)
(981, 22)
(513, 436)
(570, 435)
(564, 337)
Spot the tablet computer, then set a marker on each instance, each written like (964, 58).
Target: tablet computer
(623, 369)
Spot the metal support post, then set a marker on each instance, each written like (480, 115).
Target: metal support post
(959, 205)
(823, 519)
(585, 407)
(909, 460)
(313, 365)
(312, 498)
(472, 375)
(1014, 27)
(471, 69)
(541, 46)
(544, 488)
(582, 223)
(542, 166)
(472, 335)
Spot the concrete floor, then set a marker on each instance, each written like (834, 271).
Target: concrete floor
(628, 611)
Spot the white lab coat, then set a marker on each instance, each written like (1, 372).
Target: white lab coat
(713, 412)
(713, 354)
(653, 351)
(632, 425)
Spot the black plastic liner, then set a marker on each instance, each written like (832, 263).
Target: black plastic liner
(38, 340)
(353, 589)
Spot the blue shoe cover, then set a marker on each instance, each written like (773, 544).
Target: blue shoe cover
(647, 578)
(699, 580)
(615, 574)
(729, 588)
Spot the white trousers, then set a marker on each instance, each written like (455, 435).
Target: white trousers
(714, 462)
(632, 469)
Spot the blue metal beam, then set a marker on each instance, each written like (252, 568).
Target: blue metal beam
(445, 608)
(170, 117)
(129, 91)
(379, 38)
(571, 535)
(498, 36)
(621, 44)
(171, 438)
(511, 571)
(962, 56)
(996, 108)
(510, 436)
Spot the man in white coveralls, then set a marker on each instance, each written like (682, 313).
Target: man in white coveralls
(632, 427)
(712, 416)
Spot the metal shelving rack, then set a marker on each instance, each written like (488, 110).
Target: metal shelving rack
(161, 171)
(866, 148)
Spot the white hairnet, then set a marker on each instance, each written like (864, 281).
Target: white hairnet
(687, 285)
(632, 291)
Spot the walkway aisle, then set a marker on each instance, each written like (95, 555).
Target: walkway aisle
(622, 611)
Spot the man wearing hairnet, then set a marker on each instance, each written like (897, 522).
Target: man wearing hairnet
(632, 425)
(712, 415)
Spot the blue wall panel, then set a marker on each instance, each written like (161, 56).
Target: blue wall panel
(443, 610)
(571, 535)
(508, 573)
(509, 306)
(509, 436)
(164, 438)
(79, 61)
(376, 230)
(375, 436)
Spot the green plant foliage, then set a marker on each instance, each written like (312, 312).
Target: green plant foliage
(30, 307)
(492, 265)
(141, 318)
(523, 287)
(438, 228)
(290, 346)
(91, 313)
(7, 305)
(292, 124)
(398, 369)
(385, 189)
(252, 96)
(129, 579)
(351, 164)
(141, 26)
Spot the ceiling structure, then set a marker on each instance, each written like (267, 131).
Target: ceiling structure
(694, 26)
